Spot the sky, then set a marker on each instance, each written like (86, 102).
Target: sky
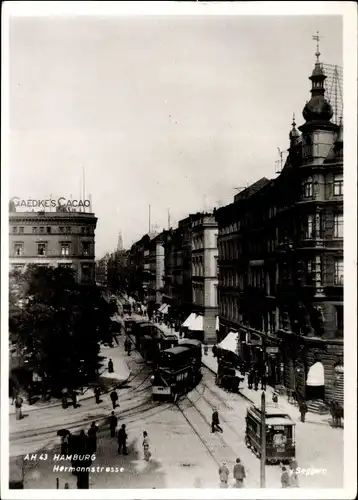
(171, 112)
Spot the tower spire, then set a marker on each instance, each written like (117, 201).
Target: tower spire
(317, 38)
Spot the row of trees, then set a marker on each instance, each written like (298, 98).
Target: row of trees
(57, 326)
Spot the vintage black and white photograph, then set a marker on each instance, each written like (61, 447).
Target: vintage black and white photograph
(174, 260)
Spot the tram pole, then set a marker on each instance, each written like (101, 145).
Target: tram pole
(263, 440)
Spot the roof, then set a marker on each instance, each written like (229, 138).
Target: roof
(175, 350)
(280, 421)
(189, 342)
(271, 411)
(251, 190)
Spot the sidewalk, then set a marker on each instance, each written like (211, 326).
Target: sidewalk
(119, 376)
(255, 396)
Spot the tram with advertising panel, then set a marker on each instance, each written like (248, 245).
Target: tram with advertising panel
(178, 371)
(279, 430)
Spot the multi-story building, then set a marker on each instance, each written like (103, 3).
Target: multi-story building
(204, 252)
(156, 269)
(53, 238)
(190, 276)
(281, 260)
(140, 266)
(102, 270)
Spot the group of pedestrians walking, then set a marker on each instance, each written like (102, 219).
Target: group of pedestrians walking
(122, 437)
(289, 476)
(238, 473)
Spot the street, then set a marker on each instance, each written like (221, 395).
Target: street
(185, 454)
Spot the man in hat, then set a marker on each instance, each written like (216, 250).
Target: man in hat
(215, 422)
(224, 475)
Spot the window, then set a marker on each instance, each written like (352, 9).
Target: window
(68, 230)
(14, 229)
(309, 227)
(34, 229)
(65, 265)
(48, 230)
(314, 272)
(338, 319)
(18, 267)
(41, 248)
(21, 229)
(308, 188)
(338, 226)
(42, 230)
(19, 249)
(86, 273)
(62, 229)
(338, 185)
(65, 249)
(338, 272)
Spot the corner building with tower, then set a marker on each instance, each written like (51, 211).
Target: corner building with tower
(280, 260)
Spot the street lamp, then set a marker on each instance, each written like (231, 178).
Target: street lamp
(263, 440)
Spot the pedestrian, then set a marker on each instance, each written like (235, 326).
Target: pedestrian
(206, 348)
(92, 437)
(122, 440)
(64, 444)
(293, 474)
(275, 398)
(113, 424)
(67, 486)
(303, 411)
(215, 422)
(110, 366)
(256, 380)
(239, 473)
(250, 379)
(114, 398)
(74, 399)
(97, 394)
(224, 475)
(127, 344)
(263, 381)
(18, 407)
(147, 453)
(285, 478)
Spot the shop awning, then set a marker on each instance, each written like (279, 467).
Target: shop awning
(315, 377)
(230, 342)
(189, 320)
(198, 324)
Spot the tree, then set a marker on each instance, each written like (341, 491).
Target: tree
(59, 324)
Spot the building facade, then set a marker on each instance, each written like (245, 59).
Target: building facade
(53, 238)
(139, 262)
(204, 250)
(156, 270)
(281, 260)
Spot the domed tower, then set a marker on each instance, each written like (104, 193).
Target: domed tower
(294, 133)
(318, 131)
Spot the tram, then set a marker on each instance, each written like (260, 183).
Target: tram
(279, 430)
(178, 371)
(150, 346)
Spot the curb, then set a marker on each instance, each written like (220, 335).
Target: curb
(56, 405)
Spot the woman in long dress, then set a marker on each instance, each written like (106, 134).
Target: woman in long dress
(147, 453)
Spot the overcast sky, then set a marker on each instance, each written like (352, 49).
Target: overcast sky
(167, 111)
